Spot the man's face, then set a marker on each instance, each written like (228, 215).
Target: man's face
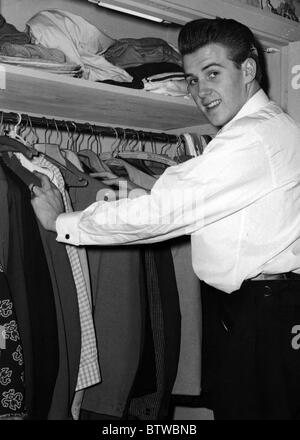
(216, 84)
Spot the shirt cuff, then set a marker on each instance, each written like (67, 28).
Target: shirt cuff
(67, 228)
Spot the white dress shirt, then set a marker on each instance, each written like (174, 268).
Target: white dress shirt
(240, 201)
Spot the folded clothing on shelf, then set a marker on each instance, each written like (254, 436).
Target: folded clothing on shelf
(170, 83)
(171, 88)
(165, 76)
(80, 41)
(139, 73)
(129, 52)
(148, 69)
(8, 32)
(68, 69)
(35, 51)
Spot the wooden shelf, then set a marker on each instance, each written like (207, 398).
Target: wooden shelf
(36, 92)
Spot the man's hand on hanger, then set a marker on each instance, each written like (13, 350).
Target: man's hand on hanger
(47, 202)
(123, 186)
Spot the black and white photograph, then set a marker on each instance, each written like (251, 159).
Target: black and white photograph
(149, 215)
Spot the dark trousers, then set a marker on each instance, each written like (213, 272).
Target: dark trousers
(251, 351)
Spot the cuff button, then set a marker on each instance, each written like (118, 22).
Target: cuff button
(67, 236)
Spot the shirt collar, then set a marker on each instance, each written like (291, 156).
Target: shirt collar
(254, 104)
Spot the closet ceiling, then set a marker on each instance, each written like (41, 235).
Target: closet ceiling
(267, 26)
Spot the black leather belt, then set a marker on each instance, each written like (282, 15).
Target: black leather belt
(279, 276)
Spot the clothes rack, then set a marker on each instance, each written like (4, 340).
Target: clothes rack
(87, 128)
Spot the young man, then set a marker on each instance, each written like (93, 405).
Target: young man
(240, 202)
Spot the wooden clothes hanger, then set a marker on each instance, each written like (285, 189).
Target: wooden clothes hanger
(12, 145)
(134, 154)
(94, 161)
(144, 155)
(73, 158)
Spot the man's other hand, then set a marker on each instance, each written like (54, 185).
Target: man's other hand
(47, 202)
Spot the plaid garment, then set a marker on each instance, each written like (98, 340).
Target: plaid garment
(89, 371)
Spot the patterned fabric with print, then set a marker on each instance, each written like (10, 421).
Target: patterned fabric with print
(11, 356)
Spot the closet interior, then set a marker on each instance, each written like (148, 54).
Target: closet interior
(105, 332)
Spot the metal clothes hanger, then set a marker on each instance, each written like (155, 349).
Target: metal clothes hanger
(95, 163)
(69, 155)
(165, 148)
(137, 142)
(13, 133)
(75, 145)
(1, 123)
(13, 142)
(143, 155)
(116, 150)
(179, 145)
(52, 150)
(69, 136)
(33, 132)
(109, 154)
(17, 144)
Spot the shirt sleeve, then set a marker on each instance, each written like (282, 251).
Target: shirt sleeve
(233, 173)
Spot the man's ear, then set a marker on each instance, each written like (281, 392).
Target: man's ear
(249, 69)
